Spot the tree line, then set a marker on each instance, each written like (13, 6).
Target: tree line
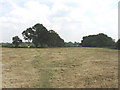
(39, 36)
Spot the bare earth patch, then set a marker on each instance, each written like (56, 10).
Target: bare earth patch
(60, 68)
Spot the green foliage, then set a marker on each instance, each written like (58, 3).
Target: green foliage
(54, 39)
(9, 45)
(27, 45)
(99, 40)
(41, 37)
(71, 44)
(16, 41)
(118, 44)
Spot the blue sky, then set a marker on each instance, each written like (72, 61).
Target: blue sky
(71, 19)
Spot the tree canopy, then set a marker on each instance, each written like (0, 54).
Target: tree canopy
(99, 40)
(16, 41)
(41, 37)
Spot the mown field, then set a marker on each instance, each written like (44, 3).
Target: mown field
(59, 68)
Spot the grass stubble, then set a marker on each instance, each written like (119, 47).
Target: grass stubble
(59, 68)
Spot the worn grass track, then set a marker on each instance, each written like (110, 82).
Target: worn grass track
(60, 67)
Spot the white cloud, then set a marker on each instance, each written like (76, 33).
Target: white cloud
(72, 19)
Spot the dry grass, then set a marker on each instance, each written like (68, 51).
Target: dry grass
(60, 68)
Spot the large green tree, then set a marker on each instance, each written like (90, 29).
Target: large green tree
(40, 36)
(99, 40)
(36, 34)
(16, 41)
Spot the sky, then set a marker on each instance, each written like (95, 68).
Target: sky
(71, 19)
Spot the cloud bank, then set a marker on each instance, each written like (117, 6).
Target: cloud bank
(71, 19)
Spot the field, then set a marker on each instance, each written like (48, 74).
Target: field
(59, 68)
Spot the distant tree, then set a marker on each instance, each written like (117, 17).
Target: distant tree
(76, 44)
(41, 37)
(99, 40)
(71, 44)
(16, 41)
(118, 44)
